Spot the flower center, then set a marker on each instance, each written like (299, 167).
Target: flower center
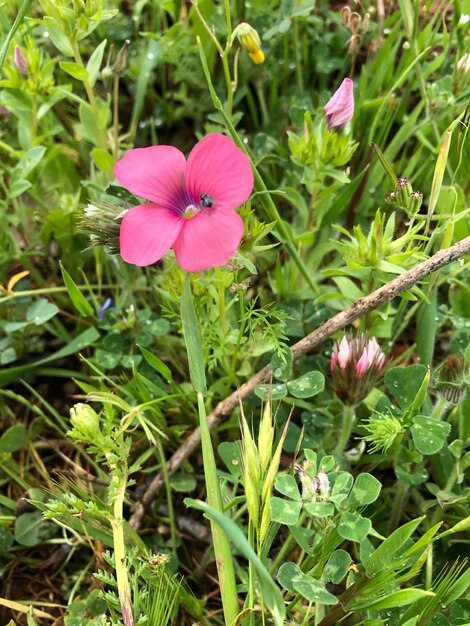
(206, 202)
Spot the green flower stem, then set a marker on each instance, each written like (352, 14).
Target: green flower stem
(349, 417)
(223, 554)
(284, 235)
(90, 94)
(124, 590)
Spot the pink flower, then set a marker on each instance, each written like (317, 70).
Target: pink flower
(356, 362)
(340, 107)
(191, 204)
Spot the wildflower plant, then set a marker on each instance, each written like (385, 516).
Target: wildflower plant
(202, 231)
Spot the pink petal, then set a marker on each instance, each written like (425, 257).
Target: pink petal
(208, 239)
(147, 233)
(155, 173)
(340, 107)
(218, 168)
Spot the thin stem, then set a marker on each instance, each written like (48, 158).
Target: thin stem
(169, 496)
(116, 114)
(349, 417)
(124, 590)
(90, 95)
(223, 554)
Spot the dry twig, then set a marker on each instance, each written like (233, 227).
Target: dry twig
(307, 344)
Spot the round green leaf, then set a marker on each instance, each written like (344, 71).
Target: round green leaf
(285, 511)
(313, 590)
(365, 490)
(107, 360)
(287, 485)
(6, 539)
(231, 454)
(404, 383)
(429, 434)
(336, 567)
(31, 529)
(13, 438)
(320, 509)
(41, 311)
(307, 385)
(278, 391)
(184, 483)
(287, 572)
(353, 526)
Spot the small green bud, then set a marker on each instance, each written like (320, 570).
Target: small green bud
(404, 190)
(85, 422)
(416, 200)
(121, 63)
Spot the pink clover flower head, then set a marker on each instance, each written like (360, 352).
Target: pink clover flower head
(340, 107)
(360, 360)
(191, 204)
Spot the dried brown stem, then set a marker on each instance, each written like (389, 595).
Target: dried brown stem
(307, 344)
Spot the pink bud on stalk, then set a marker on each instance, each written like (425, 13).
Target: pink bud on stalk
(20, 61)
(356, 363)
(340, 107)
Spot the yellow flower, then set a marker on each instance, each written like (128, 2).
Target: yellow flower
(250, 40)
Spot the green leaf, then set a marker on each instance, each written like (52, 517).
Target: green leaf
(75, 70)
(405, 382)
(320, 509)
(336, 567)
(18, 187)
(78, 299)
(353, 526)
(6, 541)
(31, 529)
(156, 363)
(285, 511)
(103, 160)
(184, 483)
(231, 454)
(192, 337)
(29, 161)
(386, 554)
(81, 341)
(429, 434)
(287, 572)
(13, 438)
(281, 365)
(94, 63)
(395, 599)
(41, 311)
(307, 385)
(287, 485)
(270, 592)
(278, 391)
(366, 490)
(313, 590)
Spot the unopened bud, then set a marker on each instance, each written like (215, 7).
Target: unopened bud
(463, 72)
(365, 22)
(416, 200)
(353, 44)
(86, 423)
(120, 65)
(453, 379)
(345, 15)
(404, 190)
(20, 62)
(354, 22)
(250, 40)
(391, 197)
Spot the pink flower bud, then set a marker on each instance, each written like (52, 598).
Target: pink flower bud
(20, 62)
(360, 360)
(340, 107)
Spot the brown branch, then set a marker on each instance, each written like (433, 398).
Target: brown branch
(307, 344)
